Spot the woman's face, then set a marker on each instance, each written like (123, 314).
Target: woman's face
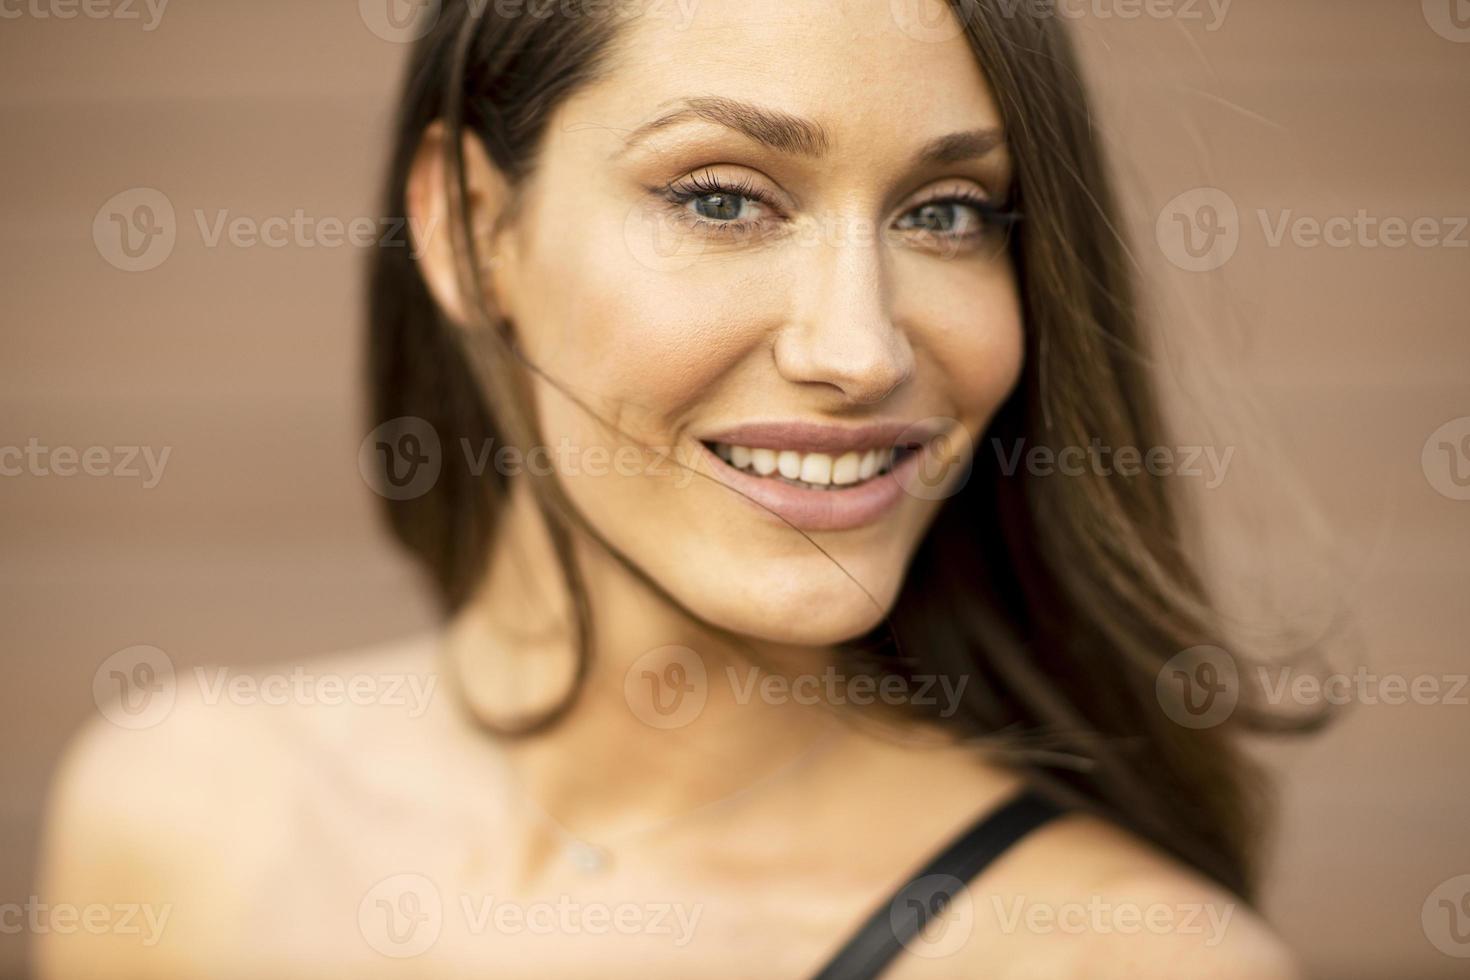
(762, 245)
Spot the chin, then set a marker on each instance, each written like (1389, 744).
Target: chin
(823, 610)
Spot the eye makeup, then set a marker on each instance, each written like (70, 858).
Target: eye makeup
(954, 217)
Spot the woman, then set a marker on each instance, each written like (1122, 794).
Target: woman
(724, 340)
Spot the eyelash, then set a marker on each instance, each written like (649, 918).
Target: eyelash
(681, 193)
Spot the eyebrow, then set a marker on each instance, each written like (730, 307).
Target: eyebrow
(796, 136)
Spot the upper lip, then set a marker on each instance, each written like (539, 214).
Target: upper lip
(821, 437)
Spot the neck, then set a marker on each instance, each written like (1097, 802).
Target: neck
(670, 718)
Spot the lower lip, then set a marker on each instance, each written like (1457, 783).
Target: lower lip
(819, 510)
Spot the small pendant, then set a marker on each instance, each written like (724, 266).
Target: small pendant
(586, 858)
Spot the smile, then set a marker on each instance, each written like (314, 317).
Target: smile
(819, 477)
(814, 471)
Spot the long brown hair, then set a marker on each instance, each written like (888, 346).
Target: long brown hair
(1061, 598)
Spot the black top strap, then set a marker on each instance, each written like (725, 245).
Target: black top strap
(886, 933)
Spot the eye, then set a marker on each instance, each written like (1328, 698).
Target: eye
(721, 206)
(943, 218)
(718, 203)
(954, 217)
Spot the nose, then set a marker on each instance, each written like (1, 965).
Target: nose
(841, 333)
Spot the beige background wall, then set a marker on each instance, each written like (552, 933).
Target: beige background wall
(1328, 368)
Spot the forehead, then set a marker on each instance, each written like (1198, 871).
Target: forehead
(855, 67)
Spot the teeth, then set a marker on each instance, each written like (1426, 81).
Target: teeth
(845, 469)
(789, 463)
(817, 469)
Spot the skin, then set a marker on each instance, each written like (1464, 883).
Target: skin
(263, 827)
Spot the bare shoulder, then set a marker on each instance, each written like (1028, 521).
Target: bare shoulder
(1149, 916)
(168, 804)
(205, 740)
(1080, 898)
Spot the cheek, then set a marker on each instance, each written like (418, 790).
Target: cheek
(972, 337)
(645, 343)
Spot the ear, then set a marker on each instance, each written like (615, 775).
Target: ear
(431, 222)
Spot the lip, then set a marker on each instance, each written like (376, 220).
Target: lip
(842, 509)
(814, 437)
(817, 510)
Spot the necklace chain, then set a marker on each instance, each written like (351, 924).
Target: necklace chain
(592, 857)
